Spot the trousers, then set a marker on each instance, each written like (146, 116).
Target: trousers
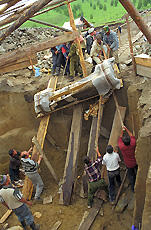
(37, 182)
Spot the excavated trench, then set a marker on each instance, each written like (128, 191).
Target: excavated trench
(18, 125)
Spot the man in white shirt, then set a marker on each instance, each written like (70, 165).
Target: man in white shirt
(111, 160)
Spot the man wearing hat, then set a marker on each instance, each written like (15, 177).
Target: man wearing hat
(90, 39)
(12, 198)
(110, 39)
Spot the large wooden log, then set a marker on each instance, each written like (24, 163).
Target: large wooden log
(28, 188)
(72, 23)
(72, 155)
(17, 13)
(37, 47)
(23, 18)
(48, 24)
(137, 18)
(12, 3)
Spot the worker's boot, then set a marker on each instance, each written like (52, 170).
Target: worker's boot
(57, 71)
(35, 226)
(23, 223)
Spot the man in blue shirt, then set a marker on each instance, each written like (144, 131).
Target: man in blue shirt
(110, 39)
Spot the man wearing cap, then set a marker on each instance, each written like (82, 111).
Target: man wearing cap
(110, 39)
(31, 170)
(90, 39)
(12, 198)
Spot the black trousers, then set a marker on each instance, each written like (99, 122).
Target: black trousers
(132, 176)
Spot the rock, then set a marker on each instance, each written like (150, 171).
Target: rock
(47, 200)
(37, 214)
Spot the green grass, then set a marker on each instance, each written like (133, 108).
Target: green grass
(96, 16)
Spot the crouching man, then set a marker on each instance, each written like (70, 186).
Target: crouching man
(12, 198)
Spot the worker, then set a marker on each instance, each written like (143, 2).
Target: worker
(60, 59)
(12, 198)
(54, 60)
(94, 177)
(111, 160)
(14, 166)
(127, 144)
(110, 39)
(90, 39)
(97, 51)
(75, 66)
(31, 170)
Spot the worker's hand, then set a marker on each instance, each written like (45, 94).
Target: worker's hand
(123, 128)
(40, 157)
(29, 203)
(56, 51)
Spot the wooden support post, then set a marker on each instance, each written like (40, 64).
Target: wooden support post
(49, 166)
(72, 154)
(130, 43)
(116, 127)
(72, 23)
(37, 47)
(28, 188)
(137, 18)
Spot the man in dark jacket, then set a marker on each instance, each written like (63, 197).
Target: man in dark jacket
(14, 165)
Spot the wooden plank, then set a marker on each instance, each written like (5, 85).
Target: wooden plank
(116, 127)
(5, 216)
(18, 66)
(49, 166)
(27, 189)
(146, 61)
(37, 47)
(72, 155)
(143, 71)
(92, 136)
(91, 217)
(56, 225)
(34, 56)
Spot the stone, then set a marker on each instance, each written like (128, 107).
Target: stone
(37, 215)
(47, 200)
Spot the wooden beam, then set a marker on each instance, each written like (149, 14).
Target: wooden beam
(37, 47)
(48, 24)
(17, 65)
(56, 225)
(9, 4)
(5, 1)
(143, 61)
(49, 166)
(72, 23)
(116, 127)
(137, 18)
(27, 189)
(86, 225)
(130, 44)
(23, 18)
(72, 155)
(5, 216)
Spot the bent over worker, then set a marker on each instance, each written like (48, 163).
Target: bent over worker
(94, 176)
(12, 198)
(127, 144)
(31, 170)
(110, 39)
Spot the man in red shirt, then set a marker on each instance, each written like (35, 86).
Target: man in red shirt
(127, 144)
